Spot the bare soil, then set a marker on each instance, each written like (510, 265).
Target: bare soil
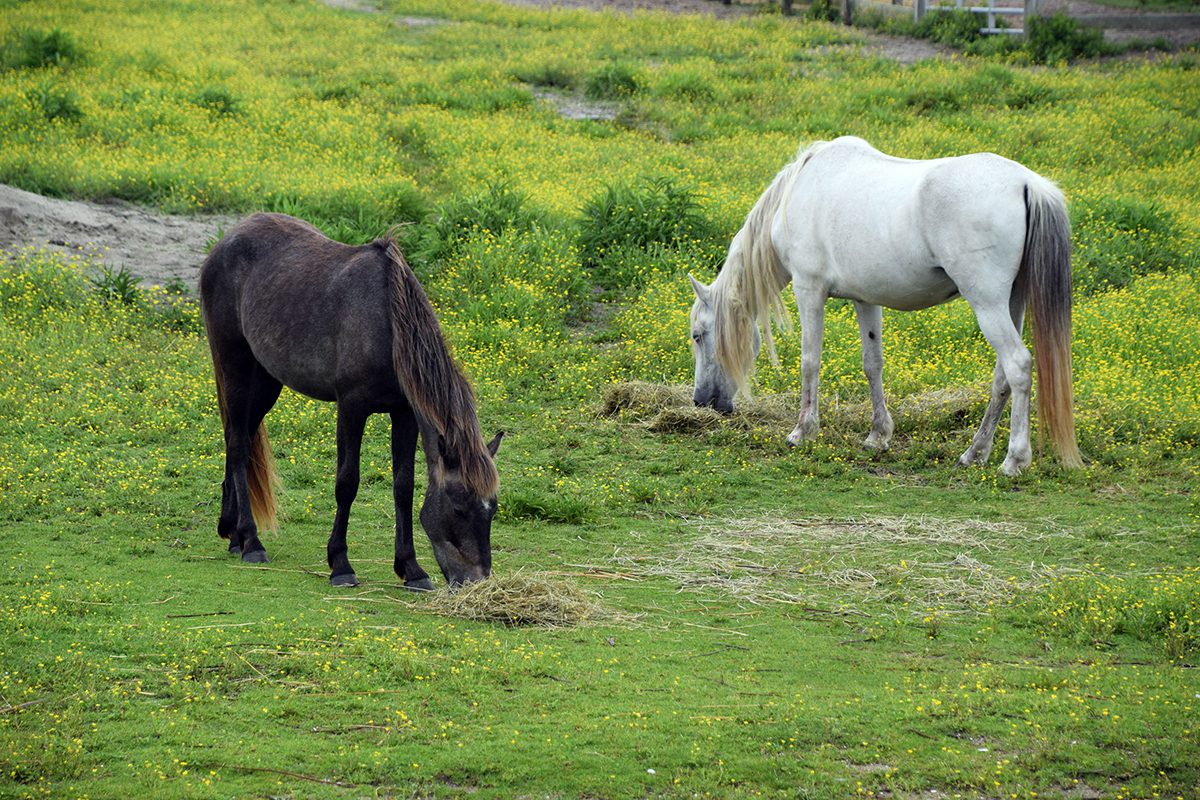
(155, 247)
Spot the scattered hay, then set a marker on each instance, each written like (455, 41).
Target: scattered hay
(919, 564)
(668, 408)
(685, 420)
(640, 396)
(521, 599)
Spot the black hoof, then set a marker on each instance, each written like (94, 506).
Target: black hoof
(235, 549)
(255, 557)
(347, 579)
(420, 585)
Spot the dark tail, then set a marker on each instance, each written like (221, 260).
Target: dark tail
(261, 477)
(1046, 272)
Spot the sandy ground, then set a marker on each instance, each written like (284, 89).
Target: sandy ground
(155, 247)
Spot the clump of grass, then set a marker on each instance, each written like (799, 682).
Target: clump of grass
(1118, 240)
(219, 100)
(56, 103)
(615, 81)
(1162, 609)
(521, 599)
(34, 49)
(552, 74)
(117, 285)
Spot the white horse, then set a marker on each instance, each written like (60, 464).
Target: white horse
(844, 220)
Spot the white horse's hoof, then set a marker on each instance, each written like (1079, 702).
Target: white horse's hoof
(876, 443)
(1010, 468)
(799, 436)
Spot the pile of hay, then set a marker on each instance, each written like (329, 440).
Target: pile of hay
(666, 408)
(520, 599)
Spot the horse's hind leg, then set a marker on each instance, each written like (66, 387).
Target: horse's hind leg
(350, 424)
(981, 444)
(249, 394)
(870, 330)
(1017, 365)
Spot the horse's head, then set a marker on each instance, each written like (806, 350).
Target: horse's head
(458, 518)
(715, 385)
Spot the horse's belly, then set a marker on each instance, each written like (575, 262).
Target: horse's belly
(892, 284)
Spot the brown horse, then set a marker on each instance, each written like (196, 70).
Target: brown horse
(286, 306)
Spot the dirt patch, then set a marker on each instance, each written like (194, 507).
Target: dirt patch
(155, 247)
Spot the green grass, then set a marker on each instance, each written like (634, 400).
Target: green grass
(822, 622)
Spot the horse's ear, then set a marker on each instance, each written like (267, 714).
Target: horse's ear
(494, 445)
(702, 291)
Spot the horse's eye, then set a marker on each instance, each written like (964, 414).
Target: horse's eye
(697, 336)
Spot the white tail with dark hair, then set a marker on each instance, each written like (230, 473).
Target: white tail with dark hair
(844, 220)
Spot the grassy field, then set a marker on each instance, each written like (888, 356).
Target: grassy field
(821, 622)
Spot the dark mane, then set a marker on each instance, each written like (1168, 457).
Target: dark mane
(433, 383)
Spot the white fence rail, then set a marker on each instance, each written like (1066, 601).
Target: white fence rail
(991, 11)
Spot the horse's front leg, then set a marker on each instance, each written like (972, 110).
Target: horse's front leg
(811, 305)
(870, 330)
(404, 449)
(350, 424)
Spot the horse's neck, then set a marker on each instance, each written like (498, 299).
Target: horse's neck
(429, 440)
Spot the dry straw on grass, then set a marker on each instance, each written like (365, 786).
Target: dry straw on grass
(667, 408)
(919, 564)
(521, 599)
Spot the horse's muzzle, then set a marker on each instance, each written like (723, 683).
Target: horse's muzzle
(718, 404)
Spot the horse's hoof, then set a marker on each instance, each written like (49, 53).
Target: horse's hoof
(419, 585)
(346, 579)
(255, 557)
(235, 549)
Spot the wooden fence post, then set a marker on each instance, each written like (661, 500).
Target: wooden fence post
(919, 9)
(848, 12)
(786, 7)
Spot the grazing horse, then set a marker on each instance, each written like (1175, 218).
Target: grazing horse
(286, 306)
(844, 220)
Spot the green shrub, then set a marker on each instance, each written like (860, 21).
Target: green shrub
(497, 209)
(953, 27)
(824, 11)
(1060, 38)
(624, 221)
(34, 282)
(35, 49)
(611, 82)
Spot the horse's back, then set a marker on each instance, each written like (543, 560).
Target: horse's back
(884, 230)
(314, 312)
